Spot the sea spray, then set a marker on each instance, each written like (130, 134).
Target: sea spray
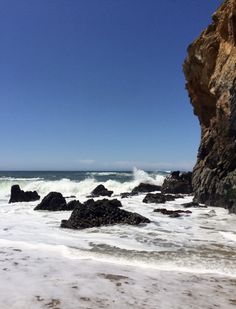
(116, 181)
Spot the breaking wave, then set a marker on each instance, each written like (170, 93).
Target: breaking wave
(83, 187)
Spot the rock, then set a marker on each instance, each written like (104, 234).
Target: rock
(141, 188)
(177, 183)
(159, 198)
(154, 198)
(172, 197)
(100, 190)
(54, 201)
(179, 196)
(18, 195)
(172, 213)
(145, 188)
(112, 203)
(210, 72)
(175, 174)
(175, 215)
(193, 204)
(102, 212)
(71, 205)
(126, 194)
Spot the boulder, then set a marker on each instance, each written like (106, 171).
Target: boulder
(158, 198)
(100, 190)
(154, 198)
(102, 212)
(18, 195)
(177, 183)
(54, 201)
(145, 188)
(211, 83)
(72, 204)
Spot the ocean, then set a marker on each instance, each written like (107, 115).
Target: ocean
(201, 246)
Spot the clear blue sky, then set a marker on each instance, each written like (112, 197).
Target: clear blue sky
(97, 84)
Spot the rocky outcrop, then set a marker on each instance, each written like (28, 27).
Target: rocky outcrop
(156, 198)
(140, 189)
(55, 201)
(177, 183)
(71, 205)
(210, 71)
(102, 212)
(18, 195)
(145, 188)
(100, 190)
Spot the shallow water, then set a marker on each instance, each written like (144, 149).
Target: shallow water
(202, 242)
(186, 262)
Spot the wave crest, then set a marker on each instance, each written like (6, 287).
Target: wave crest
(78, 188)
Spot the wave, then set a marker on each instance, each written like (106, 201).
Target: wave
(142, 176)
(77, 188)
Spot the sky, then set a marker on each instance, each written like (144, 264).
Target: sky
(97, 84)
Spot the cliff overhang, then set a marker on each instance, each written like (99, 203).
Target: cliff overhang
(210, 72)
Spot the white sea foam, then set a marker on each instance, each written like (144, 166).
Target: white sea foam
(168, 252)
(142, 176)
(78, 188)
(229, 236)
(177, 244)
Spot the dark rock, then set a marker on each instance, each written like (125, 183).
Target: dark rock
(231, 197)
(173, 213)
(172, 197)
(175, 174)
(178, 183)
(112, 203)
(158, 198)
(145, 188)
(154, 198)
(18, 195)
(71, 196)
(126, 194)
(141, 188)
(100, 190)
(193, 204)
(211, 82)
(54, 201)
(98, 213)
(72, 204)
(187, 176)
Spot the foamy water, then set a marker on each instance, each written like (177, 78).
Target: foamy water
(82, 185)
(201, 243)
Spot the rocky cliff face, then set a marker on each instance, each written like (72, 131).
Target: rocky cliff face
(210, 71)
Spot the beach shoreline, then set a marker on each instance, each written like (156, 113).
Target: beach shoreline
(36, 278)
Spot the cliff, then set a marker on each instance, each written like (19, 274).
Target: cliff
(210, 71)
